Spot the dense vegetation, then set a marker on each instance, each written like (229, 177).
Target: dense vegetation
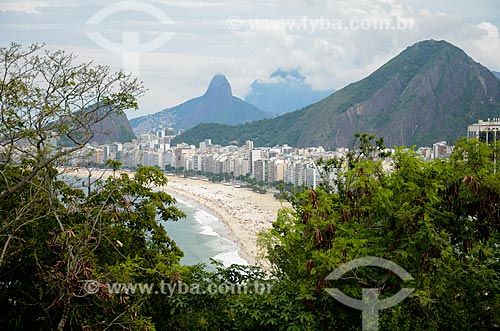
(438, 220)
(61, 246)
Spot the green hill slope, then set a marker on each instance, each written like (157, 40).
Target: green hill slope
(429, 92)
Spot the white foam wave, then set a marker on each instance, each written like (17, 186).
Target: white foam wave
(204, 218)
(184, 202)
(208, 231)
(206, 221)
(228, 258)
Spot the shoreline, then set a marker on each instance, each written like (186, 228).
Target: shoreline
(245, 213)
(230, 234)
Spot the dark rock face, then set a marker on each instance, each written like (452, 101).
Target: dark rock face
(430, 92)
(113, 128)
(98, 124)
(217, 105)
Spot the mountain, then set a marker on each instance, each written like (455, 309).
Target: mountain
(217, 105)
(106, 126)
(113, 128)
(285, 91)
(496, 74)
(430, 92)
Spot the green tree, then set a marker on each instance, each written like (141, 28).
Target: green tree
(439, 220)
(62, 244)
(45, 97)
(108, 236)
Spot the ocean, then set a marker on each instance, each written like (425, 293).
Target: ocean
(202, 236)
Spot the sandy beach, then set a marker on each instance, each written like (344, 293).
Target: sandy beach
(245, 212)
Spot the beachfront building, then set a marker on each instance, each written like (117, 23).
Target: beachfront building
(255, 155)
(485, 131)
(283, 163)
(261, 170)
(183, 154)
(276, 170)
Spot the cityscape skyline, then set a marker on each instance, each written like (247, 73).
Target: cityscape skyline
(268, 164)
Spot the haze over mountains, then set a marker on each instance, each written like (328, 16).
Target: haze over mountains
(285, 91)
(217, 105)
(431, 91)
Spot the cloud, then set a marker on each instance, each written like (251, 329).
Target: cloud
(30, 7)
(191, 4)
(487, 46)
(328, 58)
(32, 27)
(318, 36)
(336, 56)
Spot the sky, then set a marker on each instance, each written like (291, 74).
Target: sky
(176, 47)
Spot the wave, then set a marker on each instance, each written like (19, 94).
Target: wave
(184, 202)
(205, 218)
(228, 258)
(208, 231)
(206, 221)
(216, 241)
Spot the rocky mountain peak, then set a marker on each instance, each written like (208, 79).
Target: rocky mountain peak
(430, 92)
(219, 88)
(217, 105)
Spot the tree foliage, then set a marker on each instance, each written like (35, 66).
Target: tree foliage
(110, 235)
(438, 220)
(62, 245)
(47, 96)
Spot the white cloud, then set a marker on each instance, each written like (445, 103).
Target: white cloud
(203, 44)
(335, 58)
(486, 47)
(30, 7)
(32, 27)
(191, 4)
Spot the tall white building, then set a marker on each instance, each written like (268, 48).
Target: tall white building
(255, 155)
(486, 131)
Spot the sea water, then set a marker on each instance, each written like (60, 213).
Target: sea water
(202, 236)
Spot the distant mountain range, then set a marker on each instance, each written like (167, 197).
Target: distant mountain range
(217, 105)
(430, 92)
(285, 91)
